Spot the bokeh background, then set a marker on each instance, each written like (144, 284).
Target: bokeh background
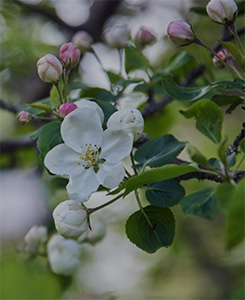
(197, 266)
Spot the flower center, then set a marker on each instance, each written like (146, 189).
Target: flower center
(90, 157)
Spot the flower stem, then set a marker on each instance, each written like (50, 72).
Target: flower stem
(233, 30)
(58, 90)
(133, 163)
(66, 74)
(142, 208)
(91, 210)
(199, 42)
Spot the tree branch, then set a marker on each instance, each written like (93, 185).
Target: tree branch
(234, 146)
(9, 106)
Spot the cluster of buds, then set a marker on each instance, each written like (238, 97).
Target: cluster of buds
(225, 56)
(144, 37)
(117, 36)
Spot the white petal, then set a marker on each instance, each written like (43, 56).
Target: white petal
(110, 175)
(82, 185)
(116, 145)
(62, 160)
(82, 103)
(80, 127)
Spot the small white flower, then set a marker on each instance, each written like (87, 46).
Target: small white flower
(95, 234)
(70, 219)
(63, 255)
(129, 119)
(89, 155)
(117, 36)
(36, 236)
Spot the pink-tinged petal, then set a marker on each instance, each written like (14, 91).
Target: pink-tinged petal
(116, 145)
(82, 127)
(82, 184)
(62, 160)
(110, 175)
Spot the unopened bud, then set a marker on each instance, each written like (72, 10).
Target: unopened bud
(181, 33)
(144, 37)
(117, 36)
(24, 117)
(70, 219)
(67, 108)
(49, 68)
(129, 119)
(70, 55)
(222, 11)
(36, 236)
(63, 255)
(96, 233)
(82, 40)
(224, 55)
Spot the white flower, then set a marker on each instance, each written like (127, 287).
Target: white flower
(117, 36)
(63, 255)
(36, 236)
(70, 219)
(89, 155)
(129, 119)
(97, 233)
(82, 103)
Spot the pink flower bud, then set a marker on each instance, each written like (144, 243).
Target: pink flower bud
(222, 11)
(24, 117)
(49, 68)
(66, 108)
(144, 37)
(180, 33)
(118, 36)
(70, 55)
(224, 55)
(82, 40)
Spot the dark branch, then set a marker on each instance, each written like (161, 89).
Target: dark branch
(8, 146)
(9, 106)
(234, 146)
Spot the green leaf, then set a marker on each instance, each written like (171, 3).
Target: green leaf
(41, 106)
(223, 100)
(196, 156)
(224, 195)
(165, 193)
(201, 203)
(37, 108)
(235, 226)
(108, 109)
(236, 85)
(114, 77)
(235, 52)
(54, 97)
(135, 59)
(151, 238)
(178, 61)
(98, 93)
(242, 146)
(222, 151)
(208, 117)
(159, 151)
(158, 174)
(186, 94)
(48, 137)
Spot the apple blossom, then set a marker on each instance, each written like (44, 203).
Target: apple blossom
(70, 219)
(82, 40)
(24, 117)
(181, 33)
(82, 103)
(89, 155)
(36, 236)
(144, 37)
(129, 119)
(117, 36)
(66, 108)
(222, 11)
(70, 55)
(63, 255)
(49, 68)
